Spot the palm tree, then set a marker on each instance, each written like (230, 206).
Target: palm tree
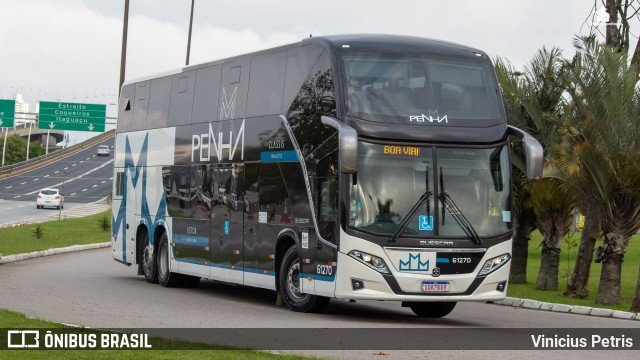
(601, 143)
(539, 94)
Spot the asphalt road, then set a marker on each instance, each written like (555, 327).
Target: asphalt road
(86, 178)
(91, 289)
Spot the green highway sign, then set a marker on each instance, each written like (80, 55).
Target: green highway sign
(72, 116)
(52, 125)
(7, 112)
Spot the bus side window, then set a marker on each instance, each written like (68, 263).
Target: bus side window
(327, 196)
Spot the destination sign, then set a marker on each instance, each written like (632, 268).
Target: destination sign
(7, 113)
(72, 116)
(401, 150)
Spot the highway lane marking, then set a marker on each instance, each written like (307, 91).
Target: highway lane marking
(72, 194)
(22, 183)
(15, 197)
(111, 178)
(77, 177)
(74, 165)
(36, 179)
(9, 187)
(46, 176)
(65, 168)
(103, 182)
(81, 161)
(95, 185)
(57, 172)
(85, 190)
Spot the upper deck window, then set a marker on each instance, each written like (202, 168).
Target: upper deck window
(419, 89)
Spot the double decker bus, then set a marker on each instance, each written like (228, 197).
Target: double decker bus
(349, 167)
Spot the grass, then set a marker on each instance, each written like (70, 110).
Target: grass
(14, 320)
(567, 261)
(54, 234)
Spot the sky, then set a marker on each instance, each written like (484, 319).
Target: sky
(69, 50)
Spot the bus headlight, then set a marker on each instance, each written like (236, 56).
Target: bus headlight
(494, 264)
(372, 261)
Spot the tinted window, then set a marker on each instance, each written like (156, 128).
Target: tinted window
(159, 97)
(140, 106)
(233, 94)
(424, 89)
(207, 93)
(315, 98)
(273, 194)
(300, 60)
(266, 84)
(181, 98)
(125, 115)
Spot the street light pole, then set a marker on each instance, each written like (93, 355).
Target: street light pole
(29, 139)
(190, 27)
(123, 54)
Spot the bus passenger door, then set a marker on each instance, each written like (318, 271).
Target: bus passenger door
(251, 204)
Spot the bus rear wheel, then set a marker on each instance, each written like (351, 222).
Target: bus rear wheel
(431, 309)
(166, 278)
(289, 285)
(148, 261)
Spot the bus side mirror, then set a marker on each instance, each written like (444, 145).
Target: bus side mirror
(348, 148)
(533, 151)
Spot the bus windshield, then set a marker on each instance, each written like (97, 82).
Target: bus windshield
(421, 89)
(392, 178)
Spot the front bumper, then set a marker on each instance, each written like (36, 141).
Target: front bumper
(407, 286)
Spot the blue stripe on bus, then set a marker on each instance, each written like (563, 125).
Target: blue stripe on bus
(191, 261)
(319, 277)
(190, 240)
(279, 156)
(442, 260)
(227, 266)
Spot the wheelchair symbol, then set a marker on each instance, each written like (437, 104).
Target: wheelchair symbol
(425, 223)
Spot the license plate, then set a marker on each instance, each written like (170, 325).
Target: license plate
(435, 286)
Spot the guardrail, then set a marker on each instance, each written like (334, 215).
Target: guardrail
(21, 167)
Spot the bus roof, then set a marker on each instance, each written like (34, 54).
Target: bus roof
(353, 42)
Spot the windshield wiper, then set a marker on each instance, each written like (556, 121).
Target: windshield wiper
(456, 213)
(425, 197)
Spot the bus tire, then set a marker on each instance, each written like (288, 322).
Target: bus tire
(289, 281)
(166, 278)
(432, 309)
(148, 261)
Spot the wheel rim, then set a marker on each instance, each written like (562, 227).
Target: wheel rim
(293, 280)
(164, 262)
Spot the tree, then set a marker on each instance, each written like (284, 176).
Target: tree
(539, 93)
(600, 142)
(16, 150)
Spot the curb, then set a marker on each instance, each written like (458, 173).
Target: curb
(564, 308)
(35, 254)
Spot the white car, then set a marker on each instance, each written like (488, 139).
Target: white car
(103, 150)
(50, 197)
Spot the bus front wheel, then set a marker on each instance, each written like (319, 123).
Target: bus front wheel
(289, 281)
(431, 309)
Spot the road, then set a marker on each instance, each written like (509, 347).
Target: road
(91, 289)
(86, 178)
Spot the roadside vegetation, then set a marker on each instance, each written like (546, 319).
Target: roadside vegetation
(585, 111)
(17, 149)
(14, 320)
(567, 261)
(55, 234)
